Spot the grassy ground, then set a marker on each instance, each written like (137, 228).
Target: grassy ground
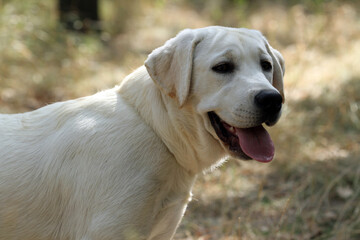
(312, 188)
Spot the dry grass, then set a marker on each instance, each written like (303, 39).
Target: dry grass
(310, 191)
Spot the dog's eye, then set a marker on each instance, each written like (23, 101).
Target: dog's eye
(265, 65)
(224, 67)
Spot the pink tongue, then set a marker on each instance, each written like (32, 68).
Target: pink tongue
(256, 143)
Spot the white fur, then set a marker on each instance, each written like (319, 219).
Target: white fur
(121, 164)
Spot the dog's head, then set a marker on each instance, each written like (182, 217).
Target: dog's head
(234, 80)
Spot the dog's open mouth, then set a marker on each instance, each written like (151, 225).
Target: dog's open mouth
(248, 143)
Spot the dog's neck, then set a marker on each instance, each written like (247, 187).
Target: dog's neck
(167, 119)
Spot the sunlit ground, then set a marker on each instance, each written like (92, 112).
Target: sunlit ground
(312, 188)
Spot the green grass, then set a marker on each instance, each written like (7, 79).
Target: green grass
(312, 188)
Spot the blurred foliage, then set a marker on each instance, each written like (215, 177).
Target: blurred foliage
(35, 51)
(333, 112)
(310, 191)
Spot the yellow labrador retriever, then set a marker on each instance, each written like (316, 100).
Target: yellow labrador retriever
(121, 164)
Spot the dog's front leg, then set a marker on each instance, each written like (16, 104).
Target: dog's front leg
(168, 219)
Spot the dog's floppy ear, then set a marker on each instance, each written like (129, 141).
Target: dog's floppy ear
(170, 66)
(279, 69)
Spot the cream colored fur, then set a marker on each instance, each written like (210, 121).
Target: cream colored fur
(121, 164)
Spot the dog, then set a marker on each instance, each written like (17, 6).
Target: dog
(120, 164)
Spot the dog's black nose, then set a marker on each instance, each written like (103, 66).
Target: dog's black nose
(269, 102)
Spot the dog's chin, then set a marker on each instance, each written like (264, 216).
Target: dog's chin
(227, 137)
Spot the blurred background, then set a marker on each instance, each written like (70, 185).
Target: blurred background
(312, 188)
